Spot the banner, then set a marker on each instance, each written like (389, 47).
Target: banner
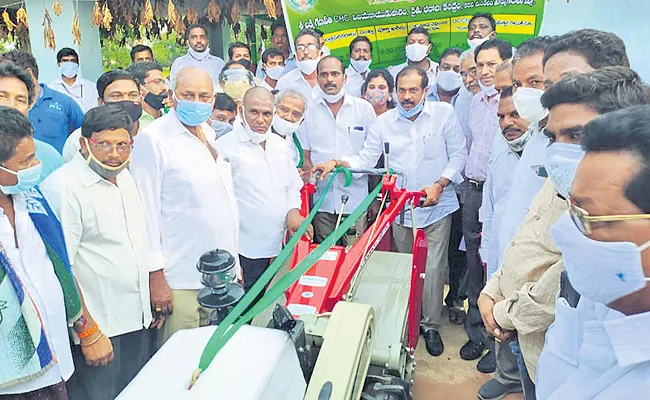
(387, 22)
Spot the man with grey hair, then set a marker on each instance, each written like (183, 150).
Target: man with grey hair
(290, 106)
(503, 76)
(308, 54)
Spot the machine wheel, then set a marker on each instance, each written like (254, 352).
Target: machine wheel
(386, 387)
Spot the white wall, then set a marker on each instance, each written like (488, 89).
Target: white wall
(626, 18)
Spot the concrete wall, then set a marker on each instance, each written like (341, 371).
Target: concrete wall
(627, 18)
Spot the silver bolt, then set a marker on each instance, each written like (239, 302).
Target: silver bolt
(422, 275)
(309, 330)
(301, 350)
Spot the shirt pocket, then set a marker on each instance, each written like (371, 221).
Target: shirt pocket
(433, 145)
(563, 339)
(356, 137)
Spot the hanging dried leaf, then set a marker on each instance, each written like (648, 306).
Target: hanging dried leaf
(158, 12)
(4, 33)
(213, 11)
(146, 16)
(8, 22)
(250, 7)
(107, 17)
(171, 12)
(76, 29)
(236, 29)
(48, 32)
(179, 26)
(21, 17)
(270, 8)
(192, 16)
(128, 17)
(234, 13)
(97, 15)
(57, 8)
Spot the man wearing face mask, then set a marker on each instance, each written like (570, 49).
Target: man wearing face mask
(360, 60)
(481, 28)
(519, 297)
(470, 83)
(223, 115)
(418, 48)
(117, 87)
(426, 143)
(236, 79)
(95, 189)
(267, 185)
(483, 126)
(189, 199)
(280, 42)
(336, 125)
(154, 89)
(308, 54)
(273, 66)
(71, 82)
(449, 81)
(198, 55)
(290, 107)
(604, 240)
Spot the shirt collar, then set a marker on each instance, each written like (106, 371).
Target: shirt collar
(425, 110)
(45, 92)
(483, 97)
(347, 99)
(629, 338)
(175, 126)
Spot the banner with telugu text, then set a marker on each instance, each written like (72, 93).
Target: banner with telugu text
(387, 22)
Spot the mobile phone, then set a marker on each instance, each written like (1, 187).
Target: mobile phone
(540, 171)
(567, 291)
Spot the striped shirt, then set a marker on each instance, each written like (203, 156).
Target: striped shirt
(483, 126)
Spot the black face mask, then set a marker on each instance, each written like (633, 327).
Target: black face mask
(133, 109)
(155, 100)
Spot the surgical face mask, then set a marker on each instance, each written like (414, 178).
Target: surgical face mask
(155, 100)
(133, 109)
(416, 52)
(449, 81)
(284, 127)
(308, 67)
(562, 161)
(69, 69)
(103, 170)
(600, 271)
(361, 66)
(199, 56)
(413, 111)
(330, 98)
(27, 179)
(193, 113)
(274, 73)
(377, 97)
(489, 90)
(255, 137)
(528, 104)
(236, 82)
(474, 43)
(220, 127)
(517, 145)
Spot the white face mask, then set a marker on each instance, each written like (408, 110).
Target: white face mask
(283, 127)
(489, 90)
(528, 104)
(562, 160)
(600, 271)
(449, 80)
(416, 52)
(517, 145)
(330, 98)
(361, 66)
(307, 67)
(255, 137)
(474, 43)
(274, 73)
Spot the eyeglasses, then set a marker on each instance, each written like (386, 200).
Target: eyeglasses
(471, 72)
(157, 82)
(302, 48)
(123, 147)
(583, 220)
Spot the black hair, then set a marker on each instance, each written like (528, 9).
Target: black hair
(66, 52)
(603, 90)
(139, 48)
(105, 117)
(14, 128)
(21, 59)
(10, 70)
(245, 63)
(309, 32)
(625, 130)
(451, 50)
(271, 52)
(237, 45)
(109, 77)
(531, 47)
(600, 49)
(194, 26)
(380, 72)
(225, 102)
(321, 33)
(503, 46)
(506, 92)
(419, 30)
(488, 16)
(278, 23)
(140, 70)
(360, 39)
(409, 70)
(330, 58)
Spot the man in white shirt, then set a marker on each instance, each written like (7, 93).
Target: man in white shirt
(198, 55)
(470, 82)
(290, 107)
(480, 28)
(279, 41)
(189, 200)
(427, 145)
(418, 48)
(308, 54)
(336, 125)
(71, 83)
(103, 220)
(273, 67)
(267, 184)
(449, 81)
(360, 60)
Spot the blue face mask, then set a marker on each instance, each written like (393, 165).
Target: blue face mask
(27, 179)
(69, 69)
(193, 113)
(562, 161)
(413, 111)
(221, 128)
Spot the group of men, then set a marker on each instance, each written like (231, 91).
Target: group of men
(536, 158)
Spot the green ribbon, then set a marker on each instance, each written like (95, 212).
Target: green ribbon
(296, 141)
(223, 333)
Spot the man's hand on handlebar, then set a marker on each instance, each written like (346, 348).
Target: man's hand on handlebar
(434, 191)
(328, 166)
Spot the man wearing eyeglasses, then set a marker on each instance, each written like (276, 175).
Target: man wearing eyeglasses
(308, 54)
(154, 90)
(103, 220)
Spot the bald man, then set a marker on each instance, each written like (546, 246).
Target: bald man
(267, 184)
(189, 199)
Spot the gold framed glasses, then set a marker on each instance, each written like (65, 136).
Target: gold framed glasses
(583, 220)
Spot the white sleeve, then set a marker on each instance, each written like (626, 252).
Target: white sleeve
(371, 151)
(456, 149)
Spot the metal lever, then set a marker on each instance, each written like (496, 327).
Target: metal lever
(344, 200)
(314, 177)
(386, 153)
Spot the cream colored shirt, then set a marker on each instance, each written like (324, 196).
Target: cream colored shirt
(529, 278)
